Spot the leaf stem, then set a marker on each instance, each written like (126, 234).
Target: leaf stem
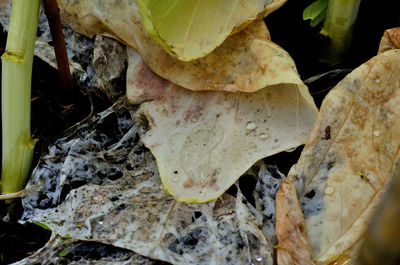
(338, 26)
(52, 12)
(17, 143)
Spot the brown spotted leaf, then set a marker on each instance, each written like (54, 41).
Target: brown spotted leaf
(342, 175)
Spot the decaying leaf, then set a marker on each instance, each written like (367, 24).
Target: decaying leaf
(101, 184)
(390, 40)
(191, 29)
(246, 61)
(347, 163)
(291, 228)
(203, 141)
(64, 250)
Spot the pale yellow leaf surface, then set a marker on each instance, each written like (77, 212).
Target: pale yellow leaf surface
(191, 29)
(204, 141)
(347, 162)
(246, 61)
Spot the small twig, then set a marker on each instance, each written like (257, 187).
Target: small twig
(22, 193)
(53, 16)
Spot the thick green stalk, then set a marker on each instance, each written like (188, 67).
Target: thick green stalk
(17, 143)
(338, 26)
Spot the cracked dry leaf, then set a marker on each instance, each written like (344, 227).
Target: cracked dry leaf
(246, 61)
(204, 141)
(191, 29)
(346, 165)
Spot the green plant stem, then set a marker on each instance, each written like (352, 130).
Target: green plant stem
(17, 143)
(338, 26)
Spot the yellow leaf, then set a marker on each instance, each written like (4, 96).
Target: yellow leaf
(191, 29)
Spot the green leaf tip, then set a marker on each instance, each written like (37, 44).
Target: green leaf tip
(42, 225)
(316, 12)
(64, 238)
(67, 236)
(64, 252)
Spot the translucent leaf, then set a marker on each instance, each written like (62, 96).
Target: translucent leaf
(191, 29)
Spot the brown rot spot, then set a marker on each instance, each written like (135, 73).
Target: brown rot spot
(327, 135)
(188, 184)
(153, 85)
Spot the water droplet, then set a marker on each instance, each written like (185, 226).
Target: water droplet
(377, 133)
(263, 136)
(329, 190)
(100, 222)
(259, 258)
(377, 79)
(251, 126)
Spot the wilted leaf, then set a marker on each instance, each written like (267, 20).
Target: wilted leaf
(246, 61)
(347, 163)
(203, 141)
(191, 29)
(291, 230)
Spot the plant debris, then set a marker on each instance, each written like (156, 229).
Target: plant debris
(60, 250)
(101, 184)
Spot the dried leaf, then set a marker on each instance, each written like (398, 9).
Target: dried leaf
(246, 61)
(204, 141)
(346, 165)
(390, 40)
(291, 228)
